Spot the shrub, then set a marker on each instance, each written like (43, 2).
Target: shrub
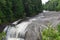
(58, 27)
(2, 35)
(51, 34)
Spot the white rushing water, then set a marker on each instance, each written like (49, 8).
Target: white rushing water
(14, 33)
(45, 11)
(18, 32)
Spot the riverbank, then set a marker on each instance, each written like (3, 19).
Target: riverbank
(40, 21)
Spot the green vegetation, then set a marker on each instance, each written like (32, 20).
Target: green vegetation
(52, 5)
(32, 7)
(2, 35)
(51, 33)
(11, 10)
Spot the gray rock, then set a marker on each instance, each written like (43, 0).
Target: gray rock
(33, 32)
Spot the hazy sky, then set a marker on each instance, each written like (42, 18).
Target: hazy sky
(44, 1)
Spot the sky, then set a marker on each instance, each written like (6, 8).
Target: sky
(44, 1)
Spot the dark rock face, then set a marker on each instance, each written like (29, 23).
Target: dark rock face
(2, 28)
(33, 32)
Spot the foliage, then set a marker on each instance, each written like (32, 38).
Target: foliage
(11, 10)
(2, 35)
(58, 27)
(51, 33)
(32, 7)
(52, 5)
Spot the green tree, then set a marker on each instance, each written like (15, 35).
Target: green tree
(32, 7)
(52, 5)
(18, 9)
(11, 10)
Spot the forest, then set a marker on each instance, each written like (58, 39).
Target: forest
(11, 10)
(52, 5)
(41, 27)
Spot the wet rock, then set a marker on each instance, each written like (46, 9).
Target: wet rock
(33, 32)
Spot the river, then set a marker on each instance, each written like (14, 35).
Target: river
(17, 32)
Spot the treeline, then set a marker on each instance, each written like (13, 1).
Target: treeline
(11, 10)
(52, 5)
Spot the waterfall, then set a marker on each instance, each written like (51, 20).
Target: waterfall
(17, 32)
